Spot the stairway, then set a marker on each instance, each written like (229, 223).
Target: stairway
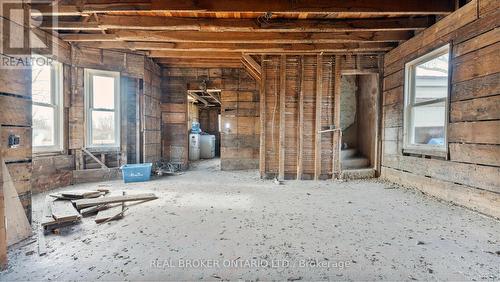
(351, 159)
(355, 166)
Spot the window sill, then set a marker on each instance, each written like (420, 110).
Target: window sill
(103, 149)
(427, 152)
(48, 153)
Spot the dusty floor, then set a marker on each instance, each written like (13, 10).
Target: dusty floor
(232, 225)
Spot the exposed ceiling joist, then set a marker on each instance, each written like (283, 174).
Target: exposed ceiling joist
(197, 97)
(311, 6)
(346, 8)
(242, 25)
(200, 63)
(254, 48)
(195, 54)
(242, 37)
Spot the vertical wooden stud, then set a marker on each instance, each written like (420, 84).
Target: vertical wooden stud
(336, 117)
(281, 161)
(317, 127)
(300, 135)
(262, 101)
(3, 233)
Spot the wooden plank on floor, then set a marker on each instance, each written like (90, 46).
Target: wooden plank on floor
(113, 213)
(64, 210)
(84, 203)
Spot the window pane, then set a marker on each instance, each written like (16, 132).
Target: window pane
(43, 126)
(103, 127)
(103, 90)
(41, 84)
(428, 124)
(431, 79)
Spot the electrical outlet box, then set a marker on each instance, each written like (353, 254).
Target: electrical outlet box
(14, 141)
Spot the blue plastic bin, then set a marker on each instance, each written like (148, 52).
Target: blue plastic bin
(136, 172)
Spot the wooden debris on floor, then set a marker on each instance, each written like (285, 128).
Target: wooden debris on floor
(110, 214)
(79, 194)
(84, 203)
(64, 210)
(93, 210)
(49, 222)
(67, 208)
(42, 248)
(82, 194)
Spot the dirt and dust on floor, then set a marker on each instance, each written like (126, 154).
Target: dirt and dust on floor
(208, 224)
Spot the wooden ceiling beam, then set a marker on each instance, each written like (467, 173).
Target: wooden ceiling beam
(242, 37)
(200, 63)
(241, 47)
(396, 7)
(244, 25)
(195, 54)
(346, 8)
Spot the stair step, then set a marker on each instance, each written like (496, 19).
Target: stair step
(358, 162)
(358, 173)
(348, 153)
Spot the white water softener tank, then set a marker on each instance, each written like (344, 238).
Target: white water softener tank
(194, 147)
(207, 146)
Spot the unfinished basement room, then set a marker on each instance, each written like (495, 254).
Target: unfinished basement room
(286, 140)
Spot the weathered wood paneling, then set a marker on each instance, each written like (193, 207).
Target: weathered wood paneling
(480, 200)
(474, 120)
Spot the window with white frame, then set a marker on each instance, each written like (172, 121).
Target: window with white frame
(426, 101)
(102, 89)
(46, 91)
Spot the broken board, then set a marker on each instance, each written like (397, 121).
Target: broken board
(94, 209)
(64, 210)
(17, 225)
(48, 222)
(81, 194)
(109, 214)
(84, 203)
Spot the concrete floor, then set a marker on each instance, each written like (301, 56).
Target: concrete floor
(214, 225)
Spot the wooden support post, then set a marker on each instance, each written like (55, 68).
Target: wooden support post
(103, 158)
(281, 161)
(380, 120)
(300, 134)
(262, 101)
(79, 160)
(3, 225)
(138, 121)
(336, 118)
(317, 127)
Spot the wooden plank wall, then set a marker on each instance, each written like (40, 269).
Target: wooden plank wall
(469, 176)
(240, 110)
(56, 170)
(293, 147)
(15, 118)
(152, 112)
(173, 107)
(240, 100)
